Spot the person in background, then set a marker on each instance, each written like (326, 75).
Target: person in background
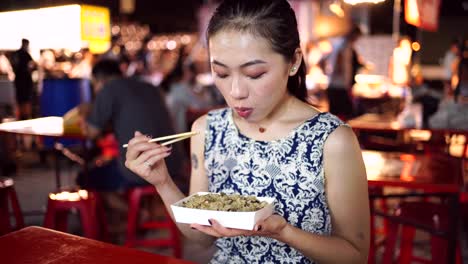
(268, 142)
(185, 93)
(6, 71)
(449, 63)
(125, 105)
(453, 113)
(84, 67)
(121, 106)
(46, 68)
(342, 66)
(429, 97)
(23, 65)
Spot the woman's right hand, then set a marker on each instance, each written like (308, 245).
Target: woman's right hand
(147, 159)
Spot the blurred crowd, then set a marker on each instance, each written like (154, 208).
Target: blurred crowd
(167, 81)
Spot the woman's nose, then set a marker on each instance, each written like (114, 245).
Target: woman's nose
(238, 90)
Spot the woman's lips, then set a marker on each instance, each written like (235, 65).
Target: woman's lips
(243, 112)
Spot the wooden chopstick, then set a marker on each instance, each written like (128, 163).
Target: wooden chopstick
(177, 137)
(175, 140)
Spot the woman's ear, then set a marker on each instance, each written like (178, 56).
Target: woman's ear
(296, 62)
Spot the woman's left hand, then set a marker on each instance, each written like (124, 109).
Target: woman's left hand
(271, 227)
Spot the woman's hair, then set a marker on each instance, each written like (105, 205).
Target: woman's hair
(274, 21)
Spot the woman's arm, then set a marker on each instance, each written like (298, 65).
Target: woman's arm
(348, 201)
(198, 181)
(140, 153)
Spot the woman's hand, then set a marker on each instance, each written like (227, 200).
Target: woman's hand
(270, 227)
(147, 159)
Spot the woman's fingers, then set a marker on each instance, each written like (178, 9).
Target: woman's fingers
(147, 158)
(217, 230)
(139, 144)
(157, 157)
(206, 229)
(221, 229)
(136, 145)
(155, 150)
(273, 225)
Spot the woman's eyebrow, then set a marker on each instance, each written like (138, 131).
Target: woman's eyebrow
(219, 63)
(254, 62)
(247, 64)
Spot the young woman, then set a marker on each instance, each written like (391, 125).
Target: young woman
(269, 142)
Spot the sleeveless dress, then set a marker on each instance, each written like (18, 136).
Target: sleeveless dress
(289, 169)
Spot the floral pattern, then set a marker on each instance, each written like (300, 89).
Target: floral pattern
(289, 169)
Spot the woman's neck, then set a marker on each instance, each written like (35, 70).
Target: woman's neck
(278, 114)
(275, 125)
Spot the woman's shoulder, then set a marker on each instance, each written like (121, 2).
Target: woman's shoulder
(342, 138)
(199, 124)
(337, 132)
(215, 114)
(329, 117)
(322, 119)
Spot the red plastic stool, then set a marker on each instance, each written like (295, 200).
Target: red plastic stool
(173, 240)
(61, 203)
(376, 190)
(425, 213)
(8, 194)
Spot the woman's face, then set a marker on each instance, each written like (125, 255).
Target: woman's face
(249, 74)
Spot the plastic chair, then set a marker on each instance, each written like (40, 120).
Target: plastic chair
(173, 240)
(427, 214)
(87, 203)
(382, 203)
(8, 195)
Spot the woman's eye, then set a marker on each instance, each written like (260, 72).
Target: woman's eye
(221, 76)
(256, 76)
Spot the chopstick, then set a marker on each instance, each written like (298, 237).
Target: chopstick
(175, 138)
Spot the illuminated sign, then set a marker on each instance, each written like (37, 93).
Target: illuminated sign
(70, 27)
(95, 28)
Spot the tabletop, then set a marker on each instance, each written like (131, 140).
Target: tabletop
(438, 173)
(447, 140)
(40, 245)
(388, 122)
(51, 126)
(375, 122)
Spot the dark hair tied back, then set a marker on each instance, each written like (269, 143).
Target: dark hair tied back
(273, 20)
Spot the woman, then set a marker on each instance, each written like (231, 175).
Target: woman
(269, 142)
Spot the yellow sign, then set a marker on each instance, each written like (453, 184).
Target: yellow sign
(95, 28)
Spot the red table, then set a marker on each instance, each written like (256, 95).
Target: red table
(380, 123)
(51, 126)
(432, 174)
(389, 123)
(37, 245)
(429, 173)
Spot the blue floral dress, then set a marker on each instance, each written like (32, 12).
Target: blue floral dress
(289, 169)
